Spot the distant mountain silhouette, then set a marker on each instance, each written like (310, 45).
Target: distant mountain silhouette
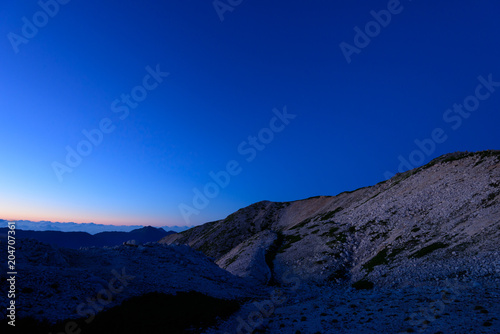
(91, 228)
(76, 240)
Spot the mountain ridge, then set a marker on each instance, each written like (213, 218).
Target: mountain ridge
(91, 228)
(314, 223)
(76, 240)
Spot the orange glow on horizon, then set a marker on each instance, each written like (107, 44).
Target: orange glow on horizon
(80, 219)
(14, 207)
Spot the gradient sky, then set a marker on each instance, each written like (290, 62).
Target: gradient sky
(353, 120)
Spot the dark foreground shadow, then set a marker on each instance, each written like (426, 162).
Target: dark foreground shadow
(186, 312)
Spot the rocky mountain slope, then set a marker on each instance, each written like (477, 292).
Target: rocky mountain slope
(416, 253)
(428, 223)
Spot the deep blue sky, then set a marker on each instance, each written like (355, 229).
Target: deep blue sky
(353, 120)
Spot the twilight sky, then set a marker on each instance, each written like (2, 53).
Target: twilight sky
(178, 113)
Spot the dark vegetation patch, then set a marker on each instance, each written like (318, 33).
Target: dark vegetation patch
(331, 232)
(288, 241)
(491, 196)
(292, 238)
(376, 195)
(398, 178)
(484, 154)
(230, 218)
(186, 312)
(302, 223)
(340, 274)
(282, 205)
(322, 217)
(460, 274)
(450, 157)
(428, 249)
(377, 236)
(352, 191)
(456, 157)
(339, 237)
(331, 243)
(314, 197)
(329, 215)
(363, 285)
(379, 259)
(395, 252)
(490, 199)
